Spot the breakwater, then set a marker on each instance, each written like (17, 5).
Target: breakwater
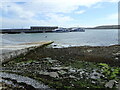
(15, 31)
(33, 29)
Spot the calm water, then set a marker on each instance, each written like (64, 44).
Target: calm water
(89, 37)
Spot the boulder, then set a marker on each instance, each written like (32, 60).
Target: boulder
(110, 84)
(54, 74)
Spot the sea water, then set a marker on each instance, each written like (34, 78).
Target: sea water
(91, 37)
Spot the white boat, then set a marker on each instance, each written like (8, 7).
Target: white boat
(60, 30)
(77, 30)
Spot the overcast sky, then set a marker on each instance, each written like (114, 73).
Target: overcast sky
(63, 13)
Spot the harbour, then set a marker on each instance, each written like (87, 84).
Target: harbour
(59, 44)
(41, 29)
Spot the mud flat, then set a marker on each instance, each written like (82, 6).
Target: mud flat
(71, 67)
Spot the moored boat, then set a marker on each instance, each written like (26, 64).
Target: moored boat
(77, 30)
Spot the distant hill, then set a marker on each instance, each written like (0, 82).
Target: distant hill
(107, 27)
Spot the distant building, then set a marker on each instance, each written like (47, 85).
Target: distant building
(43, 28)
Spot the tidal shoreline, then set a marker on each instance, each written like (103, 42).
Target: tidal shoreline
(69, 67)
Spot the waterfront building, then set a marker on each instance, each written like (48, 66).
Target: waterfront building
(43, 28)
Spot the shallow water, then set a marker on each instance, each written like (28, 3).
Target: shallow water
(89, 37)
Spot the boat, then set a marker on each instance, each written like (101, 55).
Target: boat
(77, 30)
(60, 30)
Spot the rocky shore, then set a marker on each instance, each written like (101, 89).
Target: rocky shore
(73, 67)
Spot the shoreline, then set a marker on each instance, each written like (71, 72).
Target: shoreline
(24, 48)
(55, 66)
(87, 53)
(70, 67)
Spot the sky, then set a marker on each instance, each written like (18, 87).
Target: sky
(62, 13)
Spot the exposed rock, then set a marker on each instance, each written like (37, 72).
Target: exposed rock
(72, 70)
(95, 75)
(57, 65)
(51, 74)
(116, 53)
(54, 74)
(111, 83)
(65, 68)
(56, 68)
(82, 72)
(93, 82)
(50, 60)
(116, 58)
(44, 73)
(71, 76)
(59, 68)
(89, 50)
(79, 70)
(62, 72)
(47, 58)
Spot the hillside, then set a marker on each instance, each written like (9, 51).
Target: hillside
(108, 27)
